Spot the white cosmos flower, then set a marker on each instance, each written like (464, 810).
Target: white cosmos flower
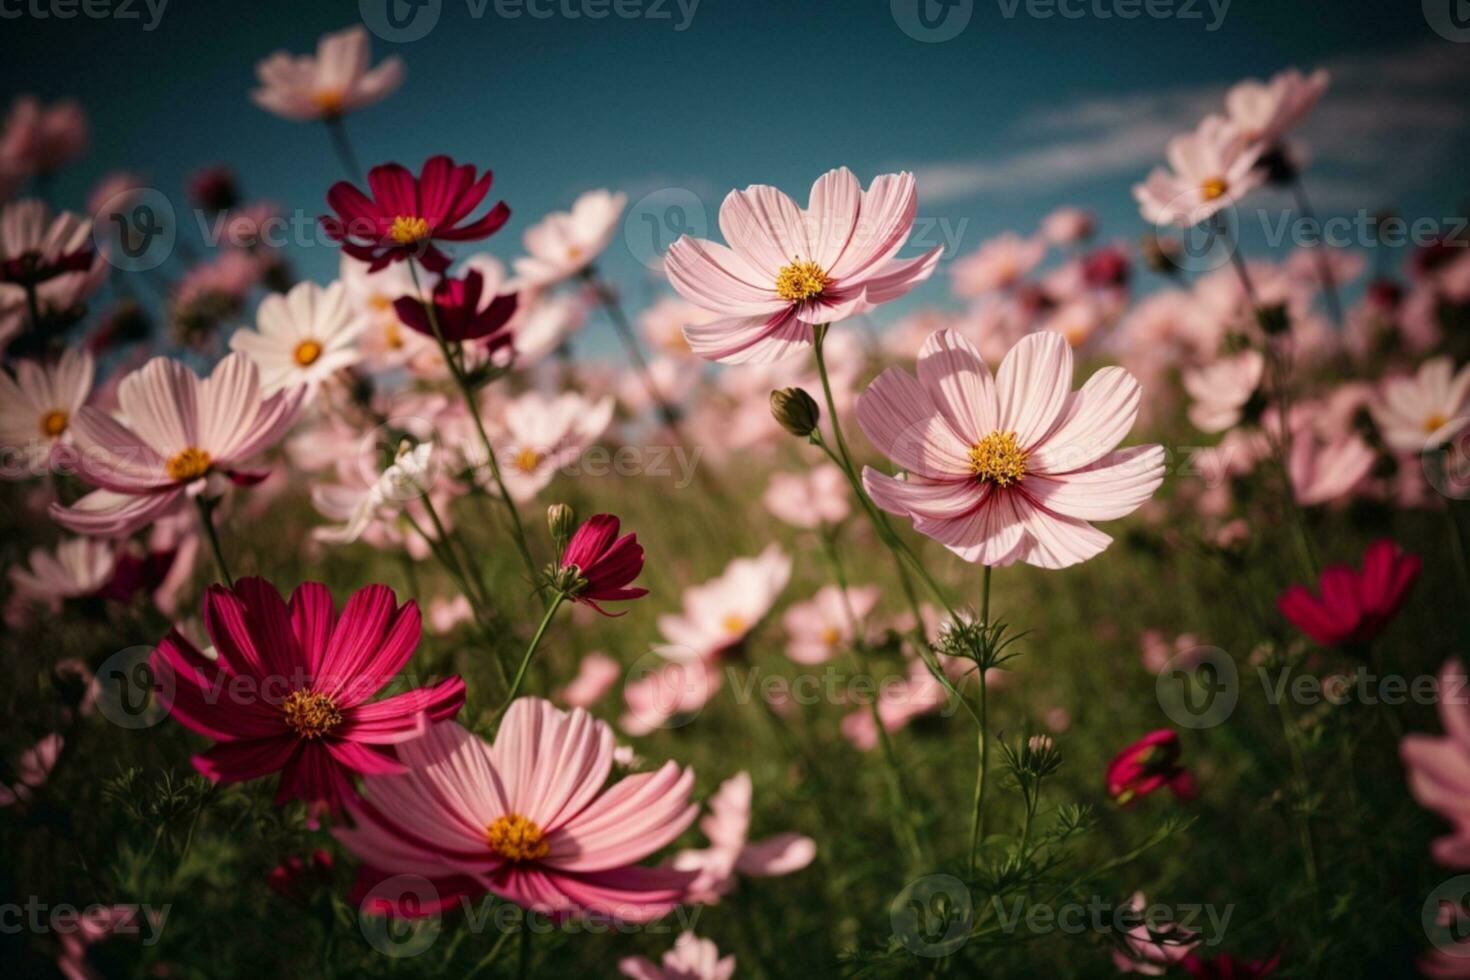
(301, 338)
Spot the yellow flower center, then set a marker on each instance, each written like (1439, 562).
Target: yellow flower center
(188, 464)
(515, 838)
(527, 460)
(801, 281)
(734, 624)
(574, 253)
(408, 229)
(997, 457)
(380, 302)
(307, 352)
(1433, 423)
(831, 636)
(53, 423)
(311, 714)
(330, 101)
(393, 337)
(1213, 188)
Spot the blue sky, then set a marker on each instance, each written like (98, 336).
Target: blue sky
(1013, 116)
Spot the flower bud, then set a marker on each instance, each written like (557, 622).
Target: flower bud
(796, 411)
(562, 521)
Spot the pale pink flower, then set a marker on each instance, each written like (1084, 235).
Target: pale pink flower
(786, 270)
(1212, 168)
(75, 568)
(899, 702)
(1263, 112)
(541, 434)
(811, 499)
(114, 194)
(32, 770)
(1424, 412)
(820, 628)
(38, 406)
(222, 281)
(1068, 226)
(1000, 263)
(1152, 952)
(1439, 767)
(719, 614)
(333, 83)
(301, 338)
(672, 693)
(385, 342)
(543, 323)
(1324, 468)
(1221, 390)
(663, 325)
(565, 242)
(1156, 650)
(596, 675)
(446, 614)
(364, 506)
(36, 245)
(529, 818)
(94, 924)
(691, 958)
(1010, 469)
(731, 853)
(40, 139)
(1078, 320)
(674, 381)
(181, 435)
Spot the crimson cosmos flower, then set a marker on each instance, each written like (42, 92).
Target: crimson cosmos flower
(457, 309)
(406, 215)
(1148, 764)
(288, 688)
(604, 563)
(1353, 604)
(1227, 967)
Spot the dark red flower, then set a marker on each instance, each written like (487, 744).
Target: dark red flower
(1227, 967)
(599, 564)
(458, 312)
(1353, 604)
(214, 188)
(1106, 267)
(133, 573)
(1148, 764)
(406, 215)
(296, 876)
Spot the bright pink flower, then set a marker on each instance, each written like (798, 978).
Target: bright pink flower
(1009, 469)
(463, 312)
(691, 958)
(1213, 167)
(1228, 967)
(596, 675)
(287, 690)
(786, 269)
(406, 214)
(1152, 948)
(529, 818)
(603, 564)
(181, 432)
(1148, 764)
(731, 853)
(335, 82)
(1353, 604)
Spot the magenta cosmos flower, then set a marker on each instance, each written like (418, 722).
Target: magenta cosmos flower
(462, 311)
(287, 690)
(1353, 604)
(1148, 764)
(406, 214)
(601, 565)
(181, 431)
(786, 270)
(528, 818)
(1009, 469)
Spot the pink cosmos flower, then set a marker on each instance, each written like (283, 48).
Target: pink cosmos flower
(1148, 764)
(385, 343)
(180, 433)
(32, 770)
(565, 242)
(819, 629)
(691, 958)
(1353, 604)
(1213, 167)
(335, 82)
(719, 614)
(1263, 112)
(1157, 651)
(463, 310)
(446, 614)
(1000, 263)
(596, 675)
(1222, 389)
(672, 693)
(288, 688)
(1323, 468)
(41, 139)
(1426, 411)
(36, 246)
(1152, 948)
(662, 325)
(1010, 469)
(37, 407)
(540, 435)
(899, 703)
(74, 569)
(302, 338)
(786, 270)
(529, 818)
(1439, 767)
(1068, 226)
(731, 853)
(407, 215)
(1229, 967)
(94, 924)
(809, 500)
(601, 566)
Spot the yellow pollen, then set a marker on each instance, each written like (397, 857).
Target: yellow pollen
(831, 636)
(574, 253)
(408, 229)
(734, 623)
(311, 714)
(1213, 188)
(380, 302)
(527, 460)
(1433, 423)
(801, 281)
(330, 101)
(515, 838)
(53, 423)
(307, 352)
(393, 337)
(997, 457)
(188, 464)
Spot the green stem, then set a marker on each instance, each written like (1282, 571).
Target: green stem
(206, 518)
(515, 684)
(343, 146)
(614, 310)
(1324, 264)
(977, 819)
